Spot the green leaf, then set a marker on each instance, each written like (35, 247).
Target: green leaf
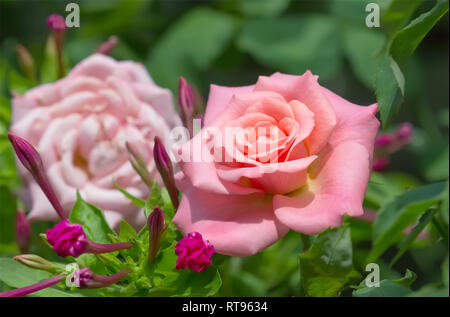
(168, 281)
(18, 83)
(159, 197)
(294, 43)
(327, 267)
(408, 38)
(362, 47)
(17, 275)
(127, 233)
(137, 201)
(411, 237)
(92, 219)
(397, 14)
(401, 212)
(260, 8)
(445, 272)
(389, 288)
(189, 47)
(389, 89)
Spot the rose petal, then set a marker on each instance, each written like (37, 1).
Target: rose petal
(237, 225)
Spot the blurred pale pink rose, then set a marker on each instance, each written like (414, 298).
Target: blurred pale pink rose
(80, 124)
(324, 148)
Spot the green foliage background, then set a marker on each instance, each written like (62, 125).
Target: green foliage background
(231, 43)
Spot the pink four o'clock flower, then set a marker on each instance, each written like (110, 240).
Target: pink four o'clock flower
(69, 239)
(193, 252)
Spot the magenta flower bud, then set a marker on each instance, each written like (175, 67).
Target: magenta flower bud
(69, 239)
(380, 163)
(193, 252)
(56, 23)
(186, 104)
(155, 224)
(58, 26)
(384, 140)
(404, 132)
(34, 288)
(165, 169)
(85, 278)
(26, 62)
(23, 232)
(32, 161)
(108, 46)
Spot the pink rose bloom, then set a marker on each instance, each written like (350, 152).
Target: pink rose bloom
(193, 252)
(324, 146)
(80, 124)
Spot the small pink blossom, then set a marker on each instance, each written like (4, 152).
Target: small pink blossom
(67, 239)
(193, 252)
(56, 23)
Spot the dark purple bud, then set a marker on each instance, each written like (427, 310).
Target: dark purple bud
(85, 278)
(155, 224)
(108, 46)
(23, 232)
(34, 288)
(186, 104)
(56, 23)
(165, 169)
(31, 160)
(69, 239)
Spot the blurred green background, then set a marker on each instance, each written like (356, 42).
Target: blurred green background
(231, 43)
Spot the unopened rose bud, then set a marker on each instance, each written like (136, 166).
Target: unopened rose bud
(155, 224)
(32, 161)
(58, 26)
(139, 165)
(186, 104)
(69, 239)
(108, 46)
(26, 62)
(165, 168)
(85, 278)
(193, 252)
(23, 232)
